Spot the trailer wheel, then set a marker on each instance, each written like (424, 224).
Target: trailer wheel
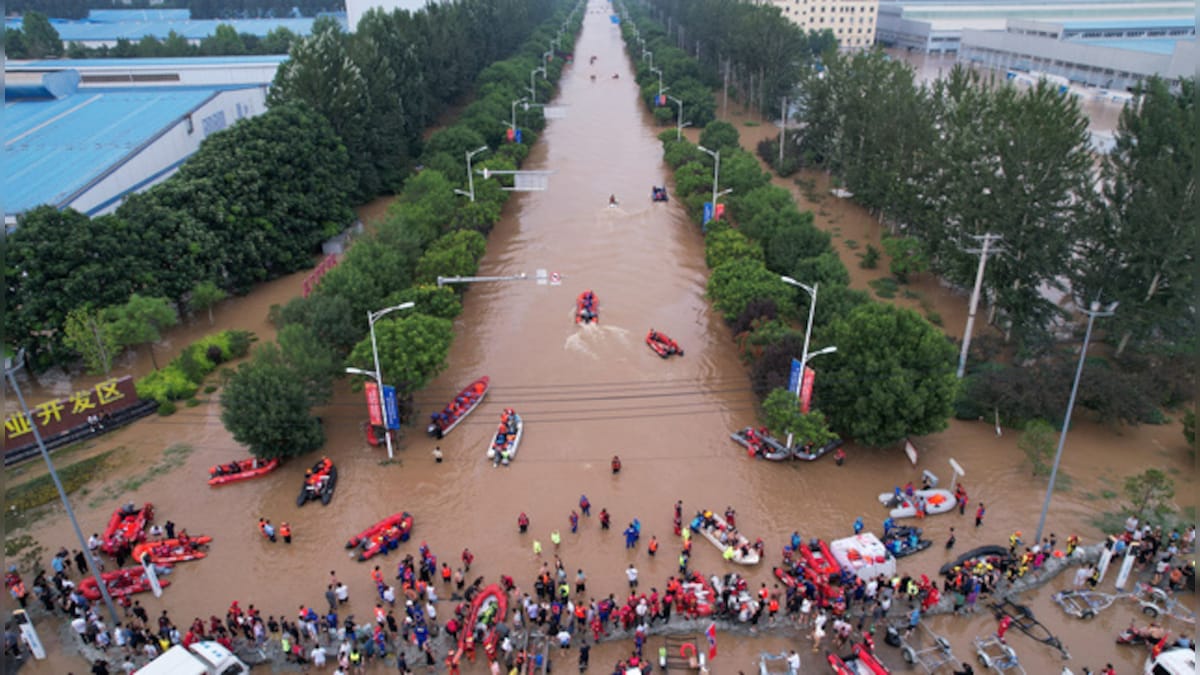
(943, 643)
(985, 660)
(910, 656)
(1150, 611)
(1087, 614)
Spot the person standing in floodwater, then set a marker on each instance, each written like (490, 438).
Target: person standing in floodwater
(523, 522)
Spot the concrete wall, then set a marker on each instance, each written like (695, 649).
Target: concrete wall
(160, 157)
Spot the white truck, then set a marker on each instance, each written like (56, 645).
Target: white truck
(203, 658)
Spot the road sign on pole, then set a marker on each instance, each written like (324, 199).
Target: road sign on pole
(555, 279)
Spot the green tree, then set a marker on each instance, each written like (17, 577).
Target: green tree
(14, 44)
(204, 296)
(908, 257)
(723, 244)
(330, 317)
(1037, 442)
(224, 41)
(39, 38)
(737, 283)
(720, 136)
(781, 412)
(1141, 238)
(266, 407)
(1151, 490)
(412, 350)
(1189, 428)
(439, 301)
(140, 321)
(455, 254)
(892, 376)
(314, 363)
(92, 338)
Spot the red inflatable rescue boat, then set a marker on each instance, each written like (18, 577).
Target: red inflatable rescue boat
(128, 523)
(120, 583)
(243, 469)
(172, 550)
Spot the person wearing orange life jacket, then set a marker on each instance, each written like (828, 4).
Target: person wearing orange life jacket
(653, 546)
(285, 531)
(616, 464)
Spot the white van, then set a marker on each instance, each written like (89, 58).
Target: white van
(204, 658)
(1173, 661)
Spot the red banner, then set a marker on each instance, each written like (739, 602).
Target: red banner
(56, 417)
(806, 389)
(374, 410)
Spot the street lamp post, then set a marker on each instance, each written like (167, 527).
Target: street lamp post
(532, 86)
(647, 54)
(372, 317)
(1094, 312)
(812, 306)
(513, 123)
(660, 87)
(716, 155)
(470, 193)
(546, 62)
(679, 124)
(93, 565)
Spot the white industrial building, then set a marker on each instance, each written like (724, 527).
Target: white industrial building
(852, 22)
(84, 134)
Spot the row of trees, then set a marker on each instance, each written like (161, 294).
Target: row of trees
(38, 39)
(893, 372)
(966, 156)
(428, 231)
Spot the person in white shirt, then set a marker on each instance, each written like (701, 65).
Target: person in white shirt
(632, 575)
(317, 656)
(793, 661)
(342, 592)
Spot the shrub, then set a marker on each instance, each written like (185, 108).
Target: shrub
(166, 408)
(167, 384)
(870, 259)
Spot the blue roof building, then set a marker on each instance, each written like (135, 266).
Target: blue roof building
(87, 148)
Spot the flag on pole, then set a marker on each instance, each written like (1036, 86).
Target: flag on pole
(711, 634)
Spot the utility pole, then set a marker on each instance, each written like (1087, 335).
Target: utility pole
(983, 252)
(782, 131)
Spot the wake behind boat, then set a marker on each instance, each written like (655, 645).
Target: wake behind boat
(503, 448)
(457, 410)
(734, 546)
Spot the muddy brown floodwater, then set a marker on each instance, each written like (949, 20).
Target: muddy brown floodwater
(586, 394)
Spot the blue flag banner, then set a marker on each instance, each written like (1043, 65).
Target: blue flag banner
(794, 377)
(391, 408)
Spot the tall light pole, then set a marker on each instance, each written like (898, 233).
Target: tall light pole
(10, 372)
(546, 62)
(812, 307)
(660, 87)
(470, 193)
(513, 123)
(716, 155)
(647, 54)
(679, 124)
(532, 86)
(1093, 312)
(372, 317)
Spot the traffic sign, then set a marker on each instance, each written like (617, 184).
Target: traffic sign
(555, 279)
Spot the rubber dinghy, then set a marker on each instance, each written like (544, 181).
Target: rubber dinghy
(127, 524)
(383, 536)
(120, 583)
(743, 552)
(319, 483)
(662, 344)
(587, 308)
(861, 662)
(457, 410)
(936, 501)
(503, 448)
(809, 452)
(173, 550)
(905, 541)
(760, 443)
(988, 555)
(489, 608)
(243, 469)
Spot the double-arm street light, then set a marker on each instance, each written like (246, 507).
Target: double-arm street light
(1094, 312)
(679, 125)
(812, 307)
(716, 155)
(470, 193)
(372, 317)
(659, 72)
(532, 85)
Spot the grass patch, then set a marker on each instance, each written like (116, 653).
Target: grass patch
(851, 244)
(751, 123)
(885, 287)
(934, 318)
(1090, 496)
(22, 499)
(172, 458)
(1108, 494)
(24, 551)
(210, 388)
(913, 295)
(193, 402)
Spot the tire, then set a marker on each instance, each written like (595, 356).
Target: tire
(1150, 611)
(910, 656)
(1087, 614)
(1012, 655)
(985, 660)
(943, 644)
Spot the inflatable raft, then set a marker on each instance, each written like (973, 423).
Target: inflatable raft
(587, 308)
(127, 524)
(120, 583)
(743, 552)
(936, 500)
(488, 610)
(457, 410)
(659, 194)
(319, 483)
(696, 596)
(809, 452)
(986, 555)
(860, 662)
(662, 345)
(243, 469)
(761, 444)
(503, 448)
(383, 536)
(905, 541)
(171, 551)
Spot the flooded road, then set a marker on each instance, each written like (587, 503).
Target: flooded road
(588, 393)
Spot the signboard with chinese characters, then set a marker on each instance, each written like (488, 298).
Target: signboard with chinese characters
(55, 417)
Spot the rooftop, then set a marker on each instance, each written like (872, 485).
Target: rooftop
(54, 148)
(165, 62)
(134, 29)
(1148, 45)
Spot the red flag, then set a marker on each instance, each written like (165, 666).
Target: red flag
(711, 634)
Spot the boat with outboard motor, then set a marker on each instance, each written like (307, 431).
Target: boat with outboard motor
(734, 546)
(662, 344)
(442, 423)
(809, 451)
(242, 469)
(319, 483)
(759, 443)
(905, 541)
(659, 194)
(383, 536)
(503, 448)
(587, 308)
(489, 608)
(177, 550)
